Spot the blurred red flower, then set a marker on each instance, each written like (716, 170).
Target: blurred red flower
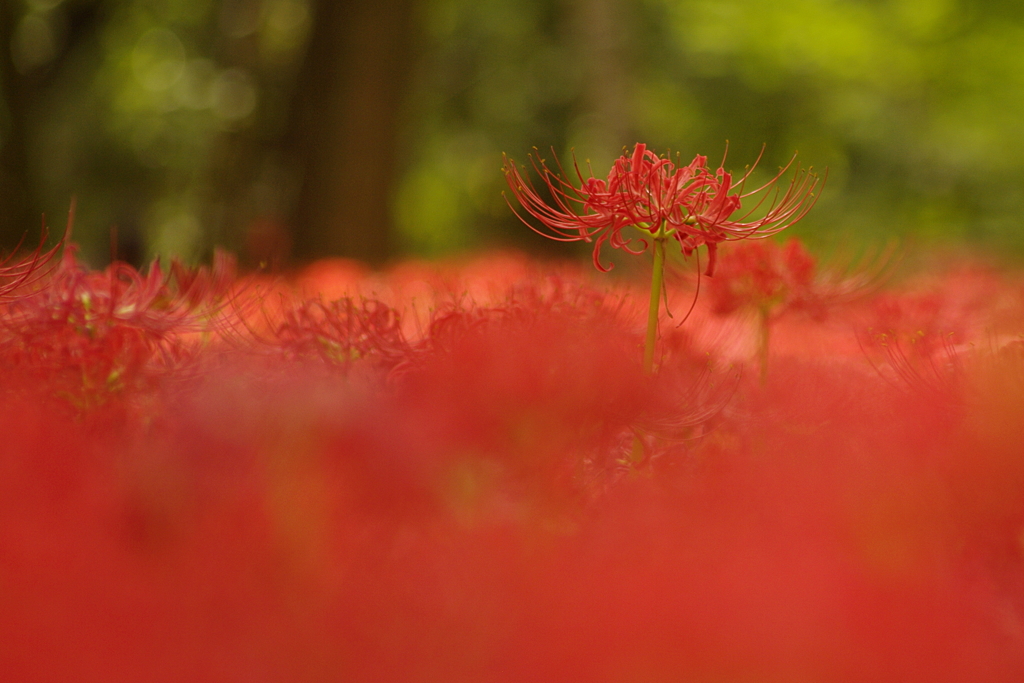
(767, 277)
(652, 193)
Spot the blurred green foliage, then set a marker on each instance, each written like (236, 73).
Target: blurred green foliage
(135, 107)
(915, 107)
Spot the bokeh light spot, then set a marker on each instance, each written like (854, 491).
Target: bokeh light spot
(158, 59)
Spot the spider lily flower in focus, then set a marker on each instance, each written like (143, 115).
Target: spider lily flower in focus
(691, 204)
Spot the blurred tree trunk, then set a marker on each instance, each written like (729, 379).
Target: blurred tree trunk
(16, 219)
(601, 29)
(344, 127)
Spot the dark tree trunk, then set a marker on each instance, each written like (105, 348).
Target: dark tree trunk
(344, 127)
(16, 198)
(601, 36)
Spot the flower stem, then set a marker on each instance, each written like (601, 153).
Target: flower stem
(657, 282)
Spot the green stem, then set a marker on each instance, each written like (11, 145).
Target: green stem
(657, 282)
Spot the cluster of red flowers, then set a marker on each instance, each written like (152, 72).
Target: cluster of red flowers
(690, 204)
(426, 475)
(86, 336)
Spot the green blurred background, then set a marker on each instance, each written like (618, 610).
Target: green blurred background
(286, 130)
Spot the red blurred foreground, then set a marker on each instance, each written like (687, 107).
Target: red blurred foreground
(422, 475)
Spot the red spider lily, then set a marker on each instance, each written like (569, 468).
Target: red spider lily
(18, 274)
(767, 277)
(475, 519)
(342, 332)
(689, 203)
(94, 334)
(920, 338)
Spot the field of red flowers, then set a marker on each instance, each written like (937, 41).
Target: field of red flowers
(461, 472)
